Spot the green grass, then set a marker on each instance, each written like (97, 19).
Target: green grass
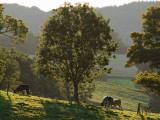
(121, 82)
(130, 97)
(17, 107)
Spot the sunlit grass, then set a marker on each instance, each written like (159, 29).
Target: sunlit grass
(121, 82)
(130, 97)
(19, 107)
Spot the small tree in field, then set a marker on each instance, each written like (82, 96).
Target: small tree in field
(146, 49)
(75, 40)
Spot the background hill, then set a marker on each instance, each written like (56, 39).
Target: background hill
(124, 19)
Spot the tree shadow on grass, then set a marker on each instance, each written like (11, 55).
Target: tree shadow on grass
(94, 103)
(75, 111)
(148, 118)
(111, 114)
(154, 102)
(21, 110)
(5, 108)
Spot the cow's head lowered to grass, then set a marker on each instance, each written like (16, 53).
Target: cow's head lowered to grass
(21, 88)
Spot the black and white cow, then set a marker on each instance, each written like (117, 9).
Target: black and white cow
(107, 100)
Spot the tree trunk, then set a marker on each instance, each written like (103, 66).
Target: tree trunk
(76, 99)
(8, 88)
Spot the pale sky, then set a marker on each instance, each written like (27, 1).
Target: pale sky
(47, 5)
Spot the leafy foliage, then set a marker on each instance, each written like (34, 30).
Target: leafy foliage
(8, 24)
(18, 68)
(2, 69)
(85, 91)
(150, 81)
(146, 49)
(146, 45)
(12, 73)
(75, 40)
(12, 68)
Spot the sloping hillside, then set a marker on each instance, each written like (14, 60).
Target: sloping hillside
(16, 107)
(33, 17)
(126, 18)
(130, 97)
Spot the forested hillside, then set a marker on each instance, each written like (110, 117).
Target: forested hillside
(124, 19)
(29, 47)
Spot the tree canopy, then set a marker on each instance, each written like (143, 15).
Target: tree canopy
(75, 40)
(16, 29)
(10, 26)
(146, 49)
(146, 44)
(11, 68)
(2, 69)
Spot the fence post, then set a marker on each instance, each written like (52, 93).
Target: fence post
(139, 107)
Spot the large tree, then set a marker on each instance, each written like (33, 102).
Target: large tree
(74, 41)
(146, 48)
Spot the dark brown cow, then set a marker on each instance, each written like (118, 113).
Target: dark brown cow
(117, 103)
(21, 88)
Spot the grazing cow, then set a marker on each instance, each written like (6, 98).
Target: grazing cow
(107, 100)
(21, 88)
(117, 103)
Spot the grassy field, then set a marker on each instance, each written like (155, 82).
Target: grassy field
(17, 107)
(129, 96)
(121, 82)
